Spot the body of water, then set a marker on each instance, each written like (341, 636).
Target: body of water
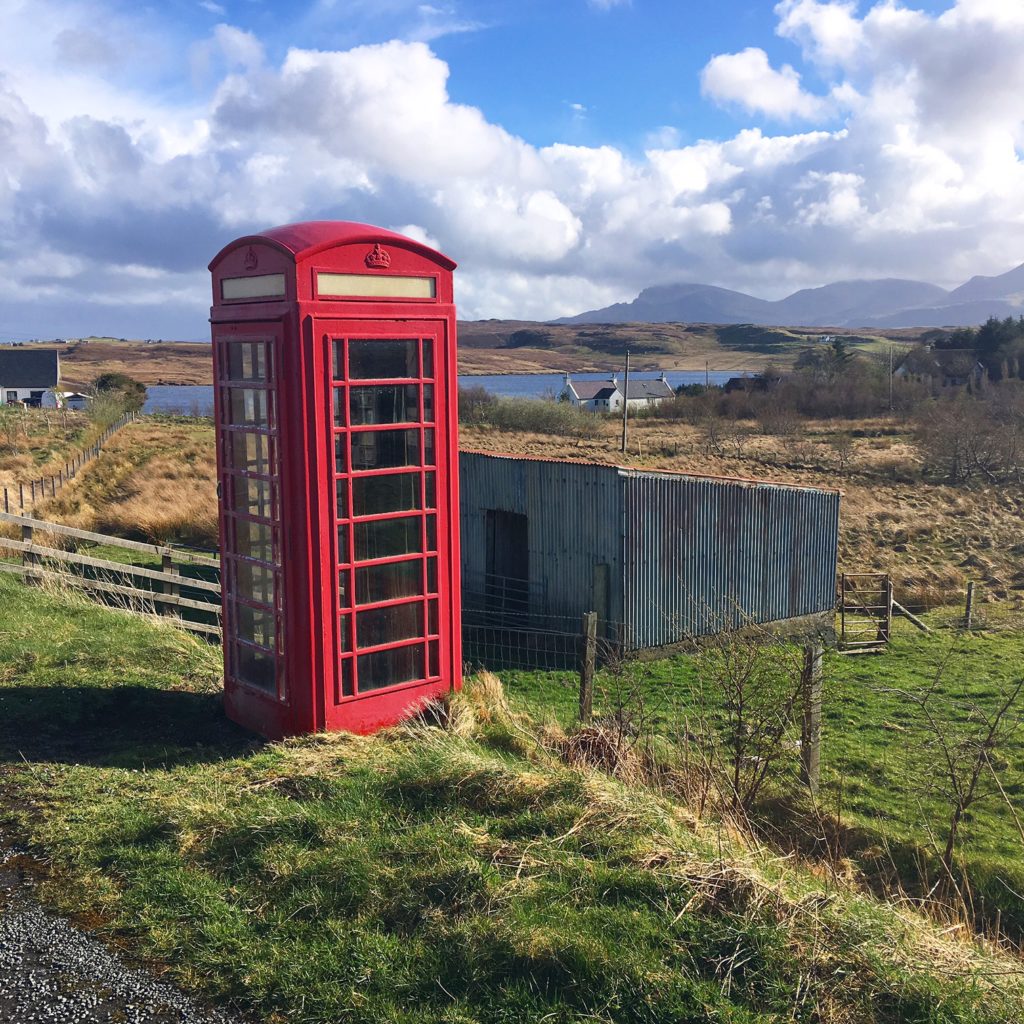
(197, 399)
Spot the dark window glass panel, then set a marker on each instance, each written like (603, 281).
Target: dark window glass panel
(428, 357)
(385, 403)
(254, 582)
(338, 352)
(428, 447)
(389, 625)
(432, 617)
(254, 540)
(431, 533)
(347, 689)
(433, 668)
(343, 544)
(256, 668)
(254, 497)
(341, 453)
(251, 453)
(341, 490)
(382, 360)
(389, 582)
(428, 403)
(431, 575)
(389, 668)
(385, 449)
(249, 407)
(345, 633)
(344, 588)
(247, 360)
(387, 538)
(255, 625)
(339, 407)
(430, 486)
(377, 495)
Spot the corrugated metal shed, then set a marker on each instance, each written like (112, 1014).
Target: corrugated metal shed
(665, 556)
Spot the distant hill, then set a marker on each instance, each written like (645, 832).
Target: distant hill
(889, 302)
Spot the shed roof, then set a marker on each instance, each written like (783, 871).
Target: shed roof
(29, 368)
(670, 473)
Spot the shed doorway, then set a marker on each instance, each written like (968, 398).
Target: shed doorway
(508, 563)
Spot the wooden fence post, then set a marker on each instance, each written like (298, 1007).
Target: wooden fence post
(28, 558)
(587, 665)
(810, 744)
(171, 589)
(969, 610)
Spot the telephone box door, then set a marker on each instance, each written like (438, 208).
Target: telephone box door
(389, 459)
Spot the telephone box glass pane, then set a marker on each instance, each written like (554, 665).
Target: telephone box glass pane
(382, 360)
(347, 688)
(254, 540)
(254, 497)
(428, 403)
(428, 447)
(339, 407)
(385, 449)
(376, 583)
(247, 360)
(389, 668)
(428, 357)
(385, 403)
(387, 538)
(339, 360)
(250, 407)
(342, 492)
(345, 633)
(254, 583)
(389, 625)
(341, 454)
(377, 495)
(250, 453)
(255, 667)
(429, 488)
(255, 625)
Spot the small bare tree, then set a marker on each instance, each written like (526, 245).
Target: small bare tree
(752, 686)
(961, 754)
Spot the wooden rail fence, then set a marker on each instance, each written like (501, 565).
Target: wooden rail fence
(181, 587)
(26, 496)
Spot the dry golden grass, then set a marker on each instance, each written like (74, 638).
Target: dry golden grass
(156, 481)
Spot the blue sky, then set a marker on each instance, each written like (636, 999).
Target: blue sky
(567, 154)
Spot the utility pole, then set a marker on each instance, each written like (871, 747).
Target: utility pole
(625, 406)
(890, 378)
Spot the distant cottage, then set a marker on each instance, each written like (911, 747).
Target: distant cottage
(29, 377)
(608, 395)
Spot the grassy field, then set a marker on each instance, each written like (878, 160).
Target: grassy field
(35, 442)
(461, 874)
(884, 804)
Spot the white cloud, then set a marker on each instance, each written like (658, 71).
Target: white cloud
(111, 201)
(749, 80)
(607, 5)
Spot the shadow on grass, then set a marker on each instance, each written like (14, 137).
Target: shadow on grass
(890, 867)
(117, 727)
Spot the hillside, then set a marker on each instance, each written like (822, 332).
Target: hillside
(467, 872)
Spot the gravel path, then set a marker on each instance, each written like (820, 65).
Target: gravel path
(52, 973)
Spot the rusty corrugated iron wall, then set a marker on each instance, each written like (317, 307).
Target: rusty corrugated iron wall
(685, 556)
(575, 524)
(702, 555)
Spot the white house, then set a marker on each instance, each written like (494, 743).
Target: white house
(607, 395)
(29, 376)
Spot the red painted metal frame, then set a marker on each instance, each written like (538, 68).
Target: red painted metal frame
(300, 331)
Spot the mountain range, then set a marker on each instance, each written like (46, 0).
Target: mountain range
(890, 302)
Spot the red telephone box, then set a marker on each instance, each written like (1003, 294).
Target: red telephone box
(336, 403)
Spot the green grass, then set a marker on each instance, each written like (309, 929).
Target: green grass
(426, 874)
(881, 768)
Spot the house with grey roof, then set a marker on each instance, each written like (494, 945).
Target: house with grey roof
(608, 395)
(29, 376)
